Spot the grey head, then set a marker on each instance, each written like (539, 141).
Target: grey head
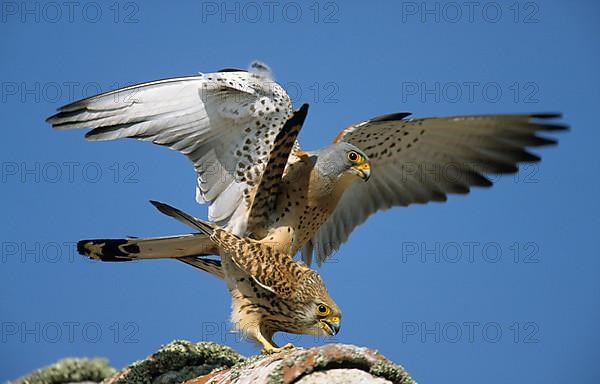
(342, 159)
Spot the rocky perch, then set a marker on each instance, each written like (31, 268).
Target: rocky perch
(210, 363)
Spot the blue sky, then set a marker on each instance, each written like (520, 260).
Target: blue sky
(498, 285)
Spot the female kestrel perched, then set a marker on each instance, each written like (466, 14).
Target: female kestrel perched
(270, 291)
(239, 130)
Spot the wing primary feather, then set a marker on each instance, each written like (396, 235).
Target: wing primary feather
(548, 115)
(91, 135)
(390, 117)
(231, 70)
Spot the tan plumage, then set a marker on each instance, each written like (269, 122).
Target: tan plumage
(270, 291)
(239, 130)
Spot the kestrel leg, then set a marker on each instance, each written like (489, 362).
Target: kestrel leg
(269, 347)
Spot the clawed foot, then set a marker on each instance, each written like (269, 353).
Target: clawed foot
(270, 349)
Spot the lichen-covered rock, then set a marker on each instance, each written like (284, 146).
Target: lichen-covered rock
(210, 363)
(324, 364)
(178, 361)
(342, 375)
(70, 371)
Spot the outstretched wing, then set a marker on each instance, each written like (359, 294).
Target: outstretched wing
(225, 123)
(423, 160)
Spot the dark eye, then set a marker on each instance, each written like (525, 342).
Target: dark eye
(353, 156)
(323, 310)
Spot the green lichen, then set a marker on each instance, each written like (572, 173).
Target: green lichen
(234, 375)
(179, 361)
(235, 370)
(299, 357)
(250, 360)
(321, 360)
(392, 372)
(71, 370)
(276, 375)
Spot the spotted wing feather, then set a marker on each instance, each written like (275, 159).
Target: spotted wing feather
(267, 191)
(422, 160)
(225, 123)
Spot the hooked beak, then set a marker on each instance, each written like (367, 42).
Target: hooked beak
(331, 326)
(362, 170)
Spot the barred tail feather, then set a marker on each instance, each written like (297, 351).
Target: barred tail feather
(168, 247)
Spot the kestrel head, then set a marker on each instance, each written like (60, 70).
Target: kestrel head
(317, 314)
(343, 161)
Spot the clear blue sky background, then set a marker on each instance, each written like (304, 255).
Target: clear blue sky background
(523, 305)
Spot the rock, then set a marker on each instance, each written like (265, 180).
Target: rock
(324, 364)
(178, 361)
(209, 363)
(342, 375)
(70, 371)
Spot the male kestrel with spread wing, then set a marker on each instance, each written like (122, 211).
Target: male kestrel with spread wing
(239, 130)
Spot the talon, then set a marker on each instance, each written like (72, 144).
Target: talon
(268, 351)
(288, 346)
(271, 350)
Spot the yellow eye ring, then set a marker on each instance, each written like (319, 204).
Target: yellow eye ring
(354, 157)
(323, 310)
